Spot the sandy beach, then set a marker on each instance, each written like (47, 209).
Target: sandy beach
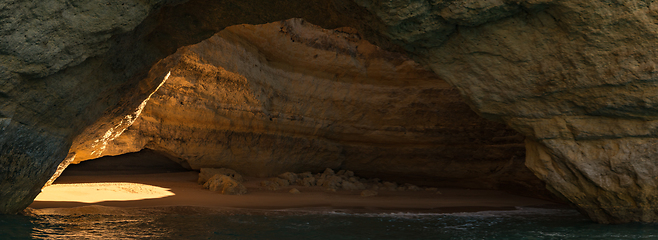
(134, 181)
(181, 189)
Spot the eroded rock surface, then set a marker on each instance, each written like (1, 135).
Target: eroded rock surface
(577, 77)
(225, 185)
(343, 180)
(580, 80)
(207, 173)
(60, 66)
(76, 73)
(290, 96)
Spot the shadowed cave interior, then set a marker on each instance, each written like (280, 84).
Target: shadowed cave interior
(396, 89)
(143, 162)
(150, 180)
(215, 110)
(319, 99)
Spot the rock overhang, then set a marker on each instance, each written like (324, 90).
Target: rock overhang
(534, 64)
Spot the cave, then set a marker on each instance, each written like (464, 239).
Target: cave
(544, 98)
(319, 99)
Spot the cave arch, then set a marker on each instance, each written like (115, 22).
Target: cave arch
(290, 96)
(96, 72)
(575, 77)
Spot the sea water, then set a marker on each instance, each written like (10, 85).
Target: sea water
(523, 223)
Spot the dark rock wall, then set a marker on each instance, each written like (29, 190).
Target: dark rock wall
(575, 77)
(74, 73)
(62, 65)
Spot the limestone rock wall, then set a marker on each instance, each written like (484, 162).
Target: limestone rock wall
(584, 88)
(73, 74)
(60, 66)
(291, 96)
(577, 77)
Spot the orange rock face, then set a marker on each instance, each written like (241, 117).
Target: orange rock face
(577, 78)
(290, 96)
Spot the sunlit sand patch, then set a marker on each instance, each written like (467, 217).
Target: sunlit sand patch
(100, 192)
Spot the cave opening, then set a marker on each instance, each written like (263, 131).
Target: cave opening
(291, 98)
(112, 181)
(321, 98)
(145, 161)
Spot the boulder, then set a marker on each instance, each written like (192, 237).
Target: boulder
(207, 173)
(332, 182)
(305, 175)
(368, 193)
(306, 182)
(327, 173)
(391, 186)
(412, 187)
(290, 177)
(225, 185)
(346, 185)
(275, 183)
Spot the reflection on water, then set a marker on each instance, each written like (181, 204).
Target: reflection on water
(520, 224)
(96, 227)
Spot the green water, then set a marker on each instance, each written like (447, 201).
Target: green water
(526, 223)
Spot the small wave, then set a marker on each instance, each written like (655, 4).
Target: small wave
(519, 211)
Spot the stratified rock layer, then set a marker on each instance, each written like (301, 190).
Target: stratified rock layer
(580, 79)
(577, 77)
(73, 75)
(60, 67)
(291, 96)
